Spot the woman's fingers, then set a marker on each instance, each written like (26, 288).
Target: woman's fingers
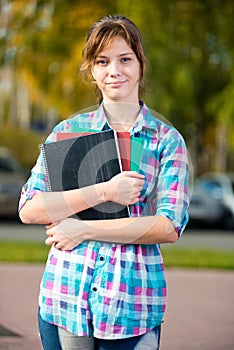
(133, 174)
(125, 187)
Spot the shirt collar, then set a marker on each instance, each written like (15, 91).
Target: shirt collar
(145, 120)
(99, 119)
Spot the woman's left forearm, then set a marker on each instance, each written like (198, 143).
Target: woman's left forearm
(69, 233)
(140, 230)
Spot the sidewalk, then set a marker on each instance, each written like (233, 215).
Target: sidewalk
(200, 313)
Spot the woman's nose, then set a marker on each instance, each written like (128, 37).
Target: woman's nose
(115, 69)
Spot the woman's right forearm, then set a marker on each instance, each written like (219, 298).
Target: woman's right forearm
(48, 207)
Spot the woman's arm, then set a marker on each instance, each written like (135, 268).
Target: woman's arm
(170, 218)
(49, 207)
(141, 230)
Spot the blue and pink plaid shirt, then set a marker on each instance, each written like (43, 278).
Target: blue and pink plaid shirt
(110, 290)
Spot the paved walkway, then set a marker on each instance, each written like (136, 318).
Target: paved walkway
(200, 313)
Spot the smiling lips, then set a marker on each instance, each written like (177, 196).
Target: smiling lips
(115, 83)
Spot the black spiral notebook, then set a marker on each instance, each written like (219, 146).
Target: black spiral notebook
(84, 161)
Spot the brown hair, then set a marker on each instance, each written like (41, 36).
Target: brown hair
(101, 34)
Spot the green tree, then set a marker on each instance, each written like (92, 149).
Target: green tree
(190, 76)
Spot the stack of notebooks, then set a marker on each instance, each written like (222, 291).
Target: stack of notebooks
(82, 158)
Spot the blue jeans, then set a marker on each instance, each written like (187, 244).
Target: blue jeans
(49, 334)
(52, 337)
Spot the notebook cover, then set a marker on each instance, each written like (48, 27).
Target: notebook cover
(82, 161)
(68, 135)
(124, 144)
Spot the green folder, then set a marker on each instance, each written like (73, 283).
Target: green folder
(136, 148)
(136, 153)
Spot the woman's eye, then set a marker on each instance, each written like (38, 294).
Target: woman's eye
(126, 59)
(101, 62)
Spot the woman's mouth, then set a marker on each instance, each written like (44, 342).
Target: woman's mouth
(115, 84)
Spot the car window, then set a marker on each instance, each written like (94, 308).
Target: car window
(210, 185)
(8, 165)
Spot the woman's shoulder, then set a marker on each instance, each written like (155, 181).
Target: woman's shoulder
(161, 125)
(81, 120)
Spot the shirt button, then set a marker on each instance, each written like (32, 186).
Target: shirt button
(94, 289)
(102, 258)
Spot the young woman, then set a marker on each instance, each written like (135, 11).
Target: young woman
(104, 285)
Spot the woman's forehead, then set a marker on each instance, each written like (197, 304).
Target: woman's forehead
(117, 42)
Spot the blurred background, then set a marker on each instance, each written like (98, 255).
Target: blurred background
(190, 80)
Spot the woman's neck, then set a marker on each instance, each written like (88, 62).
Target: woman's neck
(121, 115)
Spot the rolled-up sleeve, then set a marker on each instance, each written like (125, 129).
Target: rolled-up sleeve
(173, 180)
(38, 180)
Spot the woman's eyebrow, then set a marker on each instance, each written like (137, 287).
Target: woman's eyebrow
(126, 53)
(121, 54)
(102, 56)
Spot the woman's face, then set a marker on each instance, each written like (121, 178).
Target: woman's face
(117, 72)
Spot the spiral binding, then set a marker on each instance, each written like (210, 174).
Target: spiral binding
(42, 149)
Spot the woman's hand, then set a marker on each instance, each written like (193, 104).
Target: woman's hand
(69, 233)
(65, 234)
(124, 188)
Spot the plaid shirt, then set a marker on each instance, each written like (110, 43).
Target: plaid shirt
(109, 290)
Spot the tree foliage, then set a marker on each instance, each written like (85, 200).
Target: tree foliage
(190, 75)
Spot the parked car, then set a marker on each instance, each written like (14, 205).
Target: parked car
(11, 181)
(212, 200)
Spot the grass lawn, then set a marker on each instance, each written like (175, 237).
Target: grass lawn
(198, 258)
(19, 252)
(34, 252)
